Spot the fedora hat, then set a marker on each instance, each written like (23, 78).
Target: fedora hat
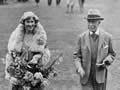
(94, 14)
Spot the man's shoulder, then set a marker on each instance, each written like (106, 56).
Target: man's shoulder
(106, 34)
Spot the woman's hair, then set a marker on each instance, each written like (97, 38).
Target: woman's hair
(26, 16)
(36, 21)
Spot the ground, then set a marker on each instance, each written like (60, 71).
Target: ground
(62, 30)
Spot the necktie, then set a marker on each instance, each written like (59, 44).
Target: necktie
(94, 36)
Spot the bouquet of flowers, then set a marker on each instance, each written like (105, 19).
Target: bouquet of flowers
(17, 68)
(21, 70)
(31, 72)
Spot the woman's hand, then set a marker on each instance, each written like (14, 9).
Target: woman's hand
(13, 81)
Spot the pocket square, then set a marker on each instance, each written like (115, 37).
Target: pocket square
(106, 46)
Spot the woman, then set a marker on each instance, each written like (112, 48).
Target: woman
(30, 35)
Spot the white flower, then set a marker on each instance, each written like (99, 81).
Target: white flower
(38, 75)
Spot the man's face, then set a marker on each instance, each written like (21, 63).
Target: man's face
(93, 25)
(29, 24)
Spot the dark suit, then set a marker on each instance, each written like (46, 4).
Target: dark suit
(104, 51)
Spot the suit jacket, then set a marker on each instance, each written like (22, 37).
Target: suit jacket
(82, 55)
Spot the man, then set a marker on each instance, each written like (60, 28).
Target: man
(81, 5)
(94, 54)
(70, 6)
(58, 2)
(49, 2)
(30, 35)
(37, 2)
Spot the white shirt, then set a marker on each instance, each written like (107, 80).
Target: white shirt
(97, 32)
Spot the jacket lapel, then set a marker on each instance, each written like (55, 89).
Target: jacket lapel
(101, 40)
(87, 40)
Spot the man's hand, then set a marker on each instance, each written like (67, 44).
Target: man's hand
(81, 71)
(103, 65)
(106, 62)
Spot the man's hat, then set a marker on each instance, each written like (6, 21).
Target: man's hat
(94, 14)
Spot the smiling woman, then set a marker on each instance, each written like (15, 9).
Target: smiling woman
(29, 37)
(29, 24)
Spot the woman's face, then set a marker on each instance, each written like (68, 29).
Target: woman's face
(29, 24)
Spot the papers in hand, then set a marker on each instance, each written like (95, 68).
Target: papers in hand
(101, 65)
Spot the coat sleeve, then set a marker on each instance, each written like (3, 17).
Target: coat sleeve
(14, 43)
(77, 56)
(111, 52)
(11, 42)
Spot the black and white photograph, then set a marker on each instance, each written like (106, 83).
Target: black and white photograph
(59, 45)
